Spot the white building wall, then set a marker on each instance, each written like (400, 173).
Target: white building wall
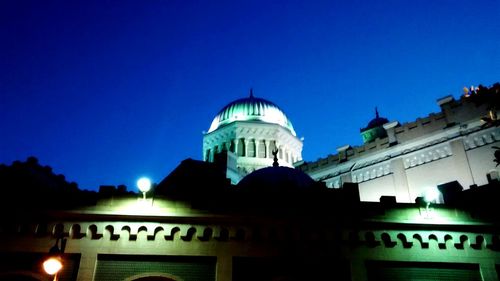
(372, 190)
(423, 177)
(481, 161)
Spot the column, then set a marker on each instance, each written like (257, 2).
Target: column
(461, 163)
(257, 149)
(236, 143)
(268, 151)
(401, 188)
(224, 270)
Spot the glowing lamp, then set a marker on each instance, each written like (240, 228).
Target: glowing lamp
(431, 195)
(52, 265)
(144, 185)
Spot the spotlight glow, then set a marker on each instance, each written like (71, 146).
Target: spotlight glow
(431, 195)
(144, 184)
(52, 265)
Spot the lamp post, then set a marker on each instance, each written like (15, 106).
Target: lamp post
(431, 195)
(144, 185)
(53, 264)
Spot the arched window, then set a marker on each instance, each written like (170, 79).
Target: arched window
(207, 155)
(231, 146)
(262, 149)
(272, 147)
(241, 147)
(251, 148)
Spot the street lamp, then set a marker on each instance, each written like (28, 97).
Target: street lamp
(144, 185)
(431, 195)
(53, 264)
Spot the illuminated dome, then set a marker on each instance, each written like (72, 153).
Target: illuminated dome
(246, 134)
(251, 109)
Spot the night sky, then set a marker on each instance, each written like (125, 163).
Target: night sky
(107, 91)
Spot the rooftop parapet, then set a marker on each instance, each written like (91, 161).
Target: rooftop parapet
(453, 112)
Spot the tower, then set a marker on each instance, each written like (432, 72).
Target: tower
(248, 130)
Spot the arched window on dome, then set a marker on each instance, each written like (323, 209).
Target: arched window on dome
(241, 147)
(261, 149)
(280, 153)
(272, 147)
(207, 155)
(251, 148)
(232, 146)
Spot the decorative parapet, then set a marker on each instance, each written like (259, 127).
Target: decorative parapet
(438, 240)
(404, 238)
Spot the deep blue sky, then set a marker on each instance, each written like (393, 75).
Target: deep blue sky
(107, 91)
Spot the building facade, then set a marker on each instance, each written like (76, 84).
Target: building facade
(405, 160)
(277, 224)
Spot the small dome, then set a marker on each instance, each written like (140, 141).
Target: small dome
(251, 109)
(376, 122)
(277, 179)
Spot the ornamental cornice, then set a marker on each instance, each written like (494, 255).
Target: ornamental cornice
(482, 138)
(259, 232)
(425, 156)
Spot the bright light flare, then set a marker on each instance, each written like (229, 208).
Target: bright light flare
(52, 265)
(431, 195)
(144, 184)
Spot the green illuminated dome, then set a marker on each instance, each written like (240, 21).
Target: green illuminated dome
(251, 109)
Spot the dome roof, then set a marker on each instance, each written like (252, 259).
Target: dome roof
(277, 179)
(376, 122)
(251, 109)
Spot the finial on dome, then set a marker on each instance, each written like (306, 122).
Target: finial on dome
(376, 112)
(251, 92)
(275, 159)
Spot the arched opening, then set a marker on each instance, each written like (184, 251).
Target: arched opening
(207, 155)
(261, 149)
(272, 147)
(232, 146)
(251, 148)
(241, 147)
(153, 277)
